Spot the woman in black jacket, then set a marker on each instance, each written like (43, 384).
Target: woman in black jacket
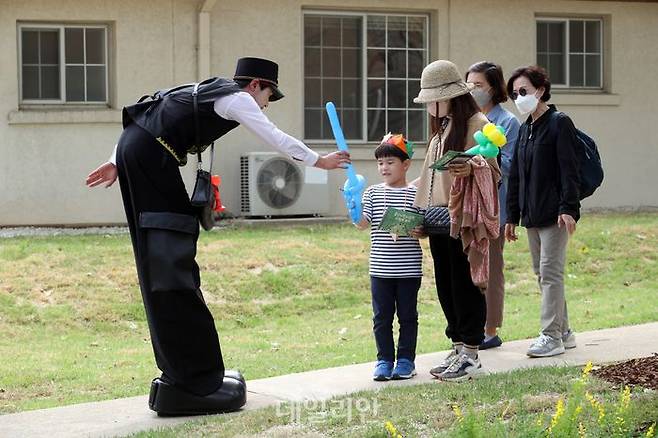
(543, 195)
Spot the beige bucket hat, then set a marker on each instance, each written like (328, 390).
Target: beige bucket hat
(441, 81)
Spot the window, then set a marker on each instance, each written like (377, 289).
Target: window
(571, 50)
(63, 64)
(369, 65)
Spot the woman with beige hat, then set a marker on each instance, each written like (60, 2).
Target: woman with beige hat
(455, 117)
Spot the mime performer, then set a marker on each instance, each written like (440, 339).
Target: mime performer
(157, 136)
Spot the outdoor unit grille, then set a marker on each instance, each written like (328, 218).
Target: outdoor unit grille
(274, 185)
(244, 184)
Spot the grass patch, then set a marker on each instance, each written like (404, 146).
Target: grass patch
(517, 404)
(284, 300)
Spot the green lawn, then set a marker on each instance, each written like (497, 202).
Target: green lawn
(284, 299)
(519, 404)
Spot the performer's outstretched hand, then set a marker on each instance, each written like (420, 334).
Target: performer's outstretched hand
(104, 174)
(334, 160)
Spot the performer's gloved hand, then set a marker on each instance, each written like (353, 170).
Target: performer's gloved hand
(103, 174)
(334, 160)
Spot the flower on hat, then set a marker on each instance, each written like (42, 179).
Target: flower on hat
(399, 142)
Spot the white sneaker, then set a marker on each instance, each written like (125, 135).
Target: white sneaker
(569, 340)
(545, 346)
(464, 368)
(445, 364)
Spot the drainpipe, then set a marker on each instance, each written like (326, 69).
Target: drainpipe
(203, 47)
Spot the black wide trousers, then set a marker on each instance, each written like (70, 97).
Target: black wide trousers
(464, 306)
(164, 232)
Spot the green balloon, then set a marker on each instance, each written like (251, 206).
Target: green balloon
(473, 151)
(481, 138)
(489, 151)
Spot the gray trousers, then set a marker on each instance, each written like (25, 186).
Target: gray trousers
(548, 248)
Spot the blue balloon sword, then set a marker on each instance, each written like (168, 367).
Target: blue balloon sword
(353, 187)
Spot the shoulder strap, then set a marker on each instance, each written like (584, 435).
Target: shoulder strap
(197, 142)
(555, 118)
(162, 93)
(436, 157)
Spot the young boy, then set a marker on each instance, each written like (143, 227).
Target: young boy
(395, 262)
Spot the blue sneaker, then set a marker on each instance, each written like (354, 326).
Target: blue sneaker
(404, 369)
(383, 371)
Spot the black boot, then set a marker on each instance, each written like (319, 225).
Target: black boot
(168, 400)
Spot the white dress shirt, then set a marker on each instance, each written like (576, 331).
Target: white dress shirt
(242, 108)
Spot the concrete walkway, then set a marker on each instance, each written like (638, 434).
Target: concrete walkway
(129, 415)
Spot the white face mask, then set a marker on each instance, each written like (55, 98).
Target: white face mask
(527, 104)
(482, 97)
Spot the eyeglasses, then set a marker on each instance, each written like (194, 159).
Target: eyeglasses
(522, 92)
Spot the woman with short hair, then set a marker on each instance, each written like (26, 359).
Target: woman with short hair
(543, 195)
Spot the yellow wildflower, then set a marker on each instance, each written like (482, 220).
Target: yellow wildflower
(390, 428)
(587, 369)
(540, 420)
(619, 421)
(591, 399)
(559, 410)
(458, 412)
(651, 431)
(625, 398)
(596, 405)
(392, 431)
(581, 430)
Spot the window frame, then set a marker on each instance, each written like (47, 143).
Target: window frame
(61, 28)
(566, 20)
(364, 60)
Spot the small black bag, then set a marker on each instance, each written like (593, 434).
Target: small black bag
(203, 195)
(437, 219)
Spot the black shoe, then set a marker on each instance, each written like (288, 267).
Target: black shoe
(234, 374)
(168, 400)
(491, 343)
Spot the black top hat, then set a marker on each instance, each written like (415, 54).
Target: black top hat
(262, 69)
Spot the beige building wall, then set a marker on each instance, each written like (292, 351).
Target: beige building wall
(47, 152)
(621, 119)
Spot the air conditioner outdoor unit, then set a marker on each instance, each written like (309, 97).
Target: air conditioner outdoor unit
(274, 185)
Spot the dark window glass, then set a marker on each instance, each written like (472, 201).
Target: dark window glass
(336, 70)
(74, 45)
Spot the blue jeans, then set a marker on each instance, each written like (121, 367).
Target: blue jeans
(388, 296)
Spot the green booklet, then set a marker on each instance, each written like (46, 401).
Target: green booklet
(450, 157)
(400, 222)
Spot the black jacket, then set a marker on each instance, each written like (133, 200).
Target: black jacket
(544, 178)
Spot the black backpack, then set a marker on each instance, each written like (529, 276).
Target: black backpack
(590, 167)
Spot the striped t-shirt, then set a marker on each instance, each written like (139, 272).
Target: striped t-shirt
(389, 258)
